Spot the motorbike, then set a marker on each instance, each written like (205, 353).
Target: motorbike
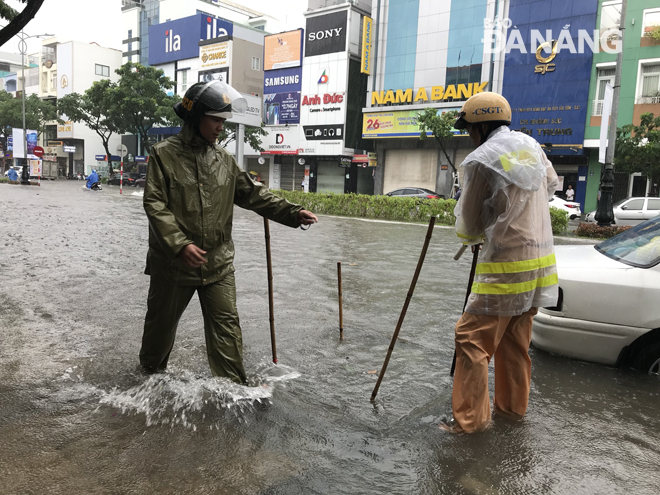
(96, 186)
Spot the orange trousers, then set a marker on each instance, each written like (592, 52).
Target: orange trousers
(478, 338)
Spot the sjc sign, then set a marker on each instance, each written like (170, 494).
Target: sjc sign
(178, 39)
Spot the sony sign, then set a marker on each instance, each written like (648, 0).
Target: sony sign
(326, 34)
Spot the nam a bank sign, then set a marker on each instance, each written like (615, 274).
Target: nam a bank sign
(436, 94)
(179, 39)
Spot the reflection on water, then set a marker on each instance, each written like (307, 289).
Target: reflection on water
(76, 416)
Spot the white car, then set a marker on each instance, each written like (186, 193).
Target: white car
(609, 302)
(571, 207)
(631, 211)
(19, 171)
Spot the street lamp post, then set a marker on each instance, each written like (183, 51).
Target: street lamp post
(22, 47)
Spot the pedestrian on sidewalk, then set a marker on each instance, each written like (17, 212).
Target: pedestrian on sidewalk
(191, 188)
(12, 175)
(507, 181)
(570, 193)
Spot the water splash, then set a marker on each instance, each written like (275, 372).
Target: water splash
(181, 397)
(138, 193)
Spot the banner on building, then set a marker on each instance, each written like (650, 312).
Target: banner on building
(283, 50)
(605, 122)
(282, 108)
(65, 130)
(215, 55)
(326, 34)
(401, 124)
(367, 23)
(281, 140)
(282, 80)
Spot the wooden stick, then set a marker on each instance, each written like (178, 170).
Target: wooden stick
(475, 256)
(429, 233)
(271, 311)
(341, 311)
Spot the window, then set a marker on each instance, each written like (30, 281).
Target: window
(653, 204)
(262, 27)
(649, 83)
(184, 81)
(605, 75)
(130, 34)
(256, 63)
(633, 204)
(651, 23)
(610, 16)
(102, 70)
(53, 84)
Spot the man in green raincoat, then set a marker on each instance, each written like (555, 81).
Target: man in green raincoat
(191, 188)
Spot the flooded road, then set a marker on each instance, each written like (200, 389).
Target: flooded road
(77, 417)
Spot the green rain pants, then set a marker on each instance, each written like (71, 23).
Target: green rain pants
(224, 342)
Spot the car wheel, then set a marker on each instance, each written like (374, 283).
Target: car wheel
(644, 353)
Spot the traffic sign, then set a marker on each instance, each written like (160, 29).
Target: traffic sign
(122, 150)
(38, 151)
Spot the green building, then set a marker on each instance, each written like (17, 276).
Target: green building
(640, 87)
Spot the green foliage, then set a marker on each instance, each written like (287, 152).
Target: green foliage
(558, 220)
(4, 179)
(141, 99)
(252, 135)
(440, 125)
(594, 231)
(376, 207)
(6, 12)
(37, 113)
(654, 33)
(638, 148)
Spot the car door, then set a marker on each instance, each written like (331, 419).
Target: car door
(652, 208)
(631, 212)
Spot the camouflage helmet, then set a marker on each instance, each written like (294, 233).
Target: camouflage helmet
(213, 98)
(484, 107)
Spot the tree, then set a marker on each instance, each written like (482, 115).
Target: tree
(638, 148)
(141, 100)
(95, 109)
(17, 20)
(440, 125)
(252, 135)
(38, 113)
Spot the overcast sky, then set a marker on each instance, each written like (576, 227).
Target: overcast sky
(100, 20)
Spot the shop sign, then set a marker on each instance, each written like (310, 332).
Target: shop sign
(400, 124)
(283, 50)
(323, 132)
(326, 34)
(141, 158)
(365, 64)
(373, 159)
(215, 55)
(69, 149)
(283, 80)
(221, 74)
(281, 140)
(65, 130)
(282, 108)
(326, 100)
(252, 116)
(421, 95)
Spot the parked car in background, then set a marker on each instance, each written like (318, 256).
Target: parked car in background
(570, 207)
(117, 178)
(608, 309)
(631, 211)
(141, 181)
(415, 192)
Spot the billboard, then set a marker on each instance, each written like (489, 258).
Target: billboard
(18, 142)
(282, 108)
(281, 140)
(401, 124)
(365, 62)
(549, 89)
(283, 50)
(221, 75)
(215, 55)
(326, 34)
(179, 39)
(282, 80)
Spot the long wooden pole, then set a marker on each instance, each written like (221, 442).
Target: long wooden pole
(429, 233)
(341, 310)
(271, 311)
(475, 257)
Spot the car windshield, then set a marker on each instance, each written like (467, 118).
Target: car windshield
(639, 246)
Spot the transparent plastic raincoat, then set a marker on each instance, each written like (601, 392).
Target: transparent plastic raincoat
(504, 205)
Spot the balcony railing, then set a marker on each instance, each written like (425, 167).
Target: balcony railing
(597, 108)
(648, 100)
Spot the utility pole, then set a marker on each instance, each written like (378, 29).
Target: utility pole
(605, 212)
(240, 144)
(25, 174)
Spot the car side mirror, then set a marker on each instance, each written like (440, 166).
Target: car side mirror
(624, 207)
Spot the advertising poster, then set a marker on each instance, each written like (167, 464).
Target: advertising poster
(215, 55)
(35, 168)
(282, 108)
(221, 75)
(281, 140)
(326, 34)
(283, 50)
(282, 80)
(365, 62)
(401, 124)
(31, 143)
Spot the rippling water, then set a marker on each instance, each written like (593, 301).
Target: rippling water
(76, 415)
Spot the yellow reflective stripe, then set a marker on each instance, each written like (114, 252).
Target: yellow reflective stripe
(519, 288)
(506, 163)
(516, 266)
(522, 157)
(469, 237)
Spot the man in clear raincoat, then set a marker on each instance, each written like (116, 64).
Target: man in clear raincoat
(191, 188)
(506, 182)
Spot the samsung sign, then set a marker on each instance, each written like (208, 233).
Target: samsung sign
(179, 39)
(282, 80)
(326, 34)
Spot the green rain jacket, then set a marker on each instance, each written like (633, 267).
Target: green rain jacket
(189, 197)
